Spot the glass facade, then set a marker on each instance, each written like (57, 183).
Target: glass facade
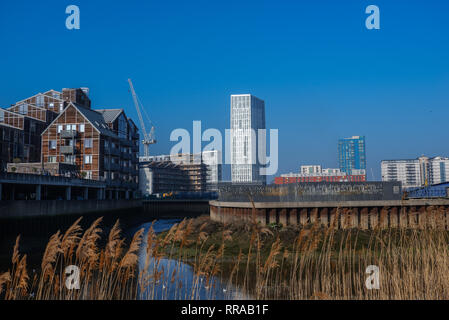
(351, 154)
(247, 117)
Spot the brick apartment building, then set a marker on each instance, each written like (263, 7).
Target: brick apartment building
(98, 144)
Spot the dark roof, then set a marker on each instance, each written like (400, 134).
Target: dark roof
(109, 115)
(97, 120)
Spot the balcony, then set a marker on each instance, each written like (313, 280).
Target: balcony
(125, 142)
(67, 149)
(114, 167)
(68, 134)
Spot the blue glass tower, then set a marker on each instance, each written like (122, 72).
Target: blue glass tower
(351, 154)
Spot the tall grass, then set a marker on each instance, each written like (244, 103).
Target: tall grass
(317, 263)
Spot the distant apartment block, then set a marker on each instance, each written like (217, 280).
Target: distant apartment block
(314, 173)
(416, 172)
(247, 117)
(185, 172)
(351, 154)
(159, 175)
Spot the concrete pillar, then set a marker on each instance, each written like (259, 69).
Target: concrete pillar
(294, 217)
(384, 218)
(422, 218)
(394, 217)
(272, 213)
(364, 219)
(262, 216)
(413, 217)
(39, 192)
(334, 218)
(345, 218)
(324, 217)
(354, 218)
(283, 219)
(403, 217)
(68, 193)
(314, 215)
(127, 194)
(116, 195)
(374, 218)
(303, 219)
(440, 218)
(86, 193)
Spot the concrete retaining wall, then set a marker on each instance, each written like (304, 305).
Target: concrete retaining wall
(46, 208)
(372, 215)
(160, 209)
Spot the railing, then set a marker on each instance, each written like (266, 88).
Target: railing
(114, 167)
(126, 155)
(67, 149)
(25, 178)
(114, 151)
(68, 134)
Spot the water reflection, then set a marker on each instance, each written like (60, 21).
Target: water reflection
(177, 280)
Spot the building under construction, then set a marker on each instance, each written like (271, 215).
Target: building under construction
(165, 176)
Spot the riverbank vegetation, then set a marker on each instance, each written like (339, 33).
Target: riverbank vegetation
(262, 262)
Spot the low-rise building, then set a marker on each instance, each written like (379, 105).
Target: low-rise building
(103, 145)
(182, 173)
(314, 173)
(211, 159)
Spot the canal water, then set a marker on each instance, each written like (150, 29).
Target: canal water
(35, 234)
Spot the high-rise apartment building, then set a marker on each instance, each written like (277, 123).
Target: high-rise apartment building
(351, 154)
(416, 172)
(247, 117)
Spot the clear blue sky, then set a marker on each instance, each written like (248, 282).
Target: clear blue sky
(322, 74)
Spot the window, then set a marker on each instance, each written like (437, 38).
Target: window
(82, 127)
(40, 101)
(60, 127)
(88, 159)
(70, 158)
(53, 144)
(23, 109)
(52, 159)
(88, 143)
(61, 107)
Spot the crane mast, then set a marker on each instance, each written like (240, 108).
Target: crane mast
(148, 138)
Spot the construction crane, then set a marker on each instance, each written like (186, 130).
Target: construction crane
(148, 138)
